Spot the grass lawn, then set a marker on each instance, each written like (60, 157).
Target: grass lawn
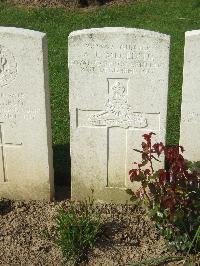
(172, 17)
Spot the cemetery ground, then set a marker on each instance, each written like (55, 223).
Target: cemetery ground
(28, 234)
(129, 235)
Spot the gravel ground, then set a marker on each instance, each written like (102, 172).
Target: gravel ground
(129, 235)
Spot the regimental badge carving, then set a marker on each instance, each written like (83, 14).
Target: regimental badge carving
(118, 113)
(8, 66)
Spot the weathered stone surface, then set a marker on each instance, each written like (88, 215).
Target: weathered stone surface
(26, 167)
(118, 92)
(190, 109)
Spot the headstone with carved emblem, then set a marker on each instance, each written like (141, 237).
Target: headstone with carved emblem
(26, 168)
(118, 81)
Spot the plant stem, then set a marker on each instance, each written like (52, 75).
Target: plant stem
(197, 233)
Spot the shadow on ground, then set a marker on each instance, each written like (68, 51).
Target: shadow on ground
(62, 171)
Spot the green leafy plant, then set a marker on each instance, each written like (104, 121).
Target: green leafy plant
(172, 194)
(77, 230)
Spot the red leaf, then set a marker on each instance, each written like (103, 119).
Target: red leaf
(158, 148)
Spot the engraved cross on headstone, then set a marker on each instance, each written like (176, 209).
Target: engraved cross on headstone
(3, 157)
(118, 118)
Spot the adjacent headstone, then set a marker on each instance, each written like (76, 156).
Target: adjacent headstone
(190, 110)
(26, 170)
(118, 92)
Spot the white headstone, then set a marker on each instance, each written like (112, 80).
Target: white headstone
(190, 109)
(26, 169)
(118, 92)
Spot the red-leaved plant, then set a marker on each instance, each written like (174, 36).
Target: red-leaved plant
(172, 194)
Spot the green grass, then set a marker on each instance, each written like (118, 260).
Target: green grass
(172, 17)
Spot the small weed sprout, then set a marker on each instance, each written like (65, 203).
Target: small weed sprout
(77, 230)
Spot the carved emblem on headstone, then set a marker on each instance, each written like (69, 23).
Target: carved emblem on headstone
(117, 110)
(8, 66)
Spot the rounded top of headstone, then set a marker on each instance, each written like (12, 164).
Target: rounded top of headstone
(21, 31)
(120, 30)
(10, 39)
(192, 33)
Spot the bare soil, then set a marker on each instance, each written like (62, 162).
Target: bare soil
(128, 235)
(69, 4)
